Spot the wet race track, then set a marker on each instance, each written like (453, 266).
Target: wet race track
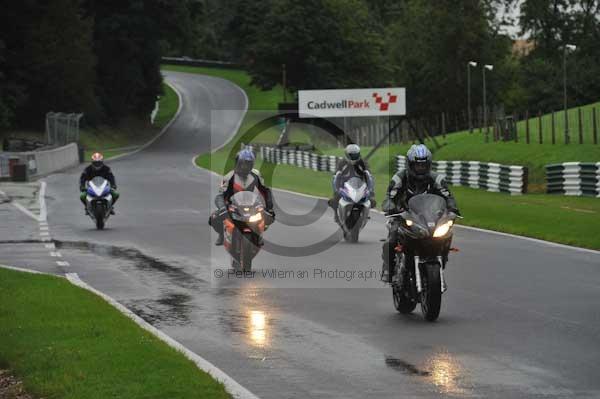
(520, 319)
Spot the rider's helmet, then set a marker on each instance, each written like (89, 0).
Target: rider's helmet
(419, 161)
(352, 153)
(97, 161)
(244, 162)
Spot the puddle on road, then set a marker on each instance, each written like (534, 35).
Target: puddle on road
(172, 308)
(137, 258)
(404, 367)
(442, 370)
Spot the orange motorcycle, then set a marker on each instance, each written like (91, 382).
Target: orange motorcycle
(244, 225)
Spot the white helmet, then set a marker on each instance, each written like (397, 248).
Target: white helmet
(352, 153)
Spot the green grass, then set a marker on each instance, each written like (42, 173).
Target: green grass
(463, 146)
(113, 141)
(65, 342)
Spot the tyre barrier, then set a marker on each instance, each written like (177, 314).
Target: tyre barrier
(573, 178)
(301, 159)
(484, 175)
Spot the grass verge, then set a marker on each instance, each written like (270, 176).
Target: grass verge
(532, 215)
(65, 342)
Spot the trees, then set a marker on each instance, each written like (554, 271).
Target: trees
(126, 44)
(324, 44)
(551, 24)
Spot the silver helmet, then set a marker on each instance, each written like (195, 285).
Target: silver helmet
(419, 161)
(352, 153)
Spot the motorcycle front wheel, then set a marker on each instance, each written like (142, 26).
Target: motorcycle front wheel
(431, 296)
(247, 252)
(99, 213)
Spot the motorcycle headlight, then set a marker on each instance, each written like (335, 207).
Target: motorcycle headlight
(255, 218)
(409, 222)
(443, 229)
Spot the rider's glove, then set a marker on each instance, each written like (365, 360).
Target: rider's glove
(455, 211)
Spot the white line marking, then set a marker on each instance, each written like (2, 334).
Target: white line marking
(42, 199)
(25, 211)
(46, 239)
(21, 207)
(56, 254)
(44, 228)
(163, 130)
(232, 386)
(62, 263)
(44, 224)
(44, 234)
(50, 246)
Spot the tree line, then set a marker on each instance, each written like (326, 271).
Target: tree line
(422, 45)
(102, 57)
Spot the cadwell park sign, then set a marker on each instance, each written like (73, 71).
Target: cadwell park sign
(352, 102)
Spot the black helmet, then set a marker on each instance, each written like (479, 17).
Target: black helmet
(352, 153)
(419, 161)
(244, 162)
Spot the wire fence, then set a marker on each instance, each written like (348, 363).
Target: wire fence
(527, 127)
(62, 129)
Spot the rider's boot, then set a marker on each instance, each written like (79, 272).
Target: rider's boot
(220, 239)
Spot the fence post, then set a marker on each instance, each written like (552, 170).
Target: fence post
(553, 129)
(540, 127)
(516, 122)
(580, 125)
(594, 125)
(527, 127)
(444, 124)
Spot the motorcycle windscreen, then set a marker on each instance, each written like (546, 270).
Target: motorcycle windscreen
(355, 188)
(428, 207)
(98, 181)
(246, 199)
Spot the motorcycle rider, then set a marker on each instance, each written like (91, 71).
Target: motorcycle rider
(242, 178)
(417, 178)
(352, 165)
(97, 168)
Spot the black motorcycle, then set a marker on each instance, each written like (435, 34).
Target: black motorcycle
(419, 264)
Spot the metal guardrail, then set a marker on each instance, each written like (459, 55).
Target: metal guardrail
(199, 62)
(483, 175)
(574, 178)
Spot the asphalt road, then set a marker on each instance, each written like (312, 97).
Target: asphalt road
(520, 319)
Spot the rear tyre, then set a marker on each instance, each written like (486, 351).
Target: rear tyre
(431, 296)
(402, 303)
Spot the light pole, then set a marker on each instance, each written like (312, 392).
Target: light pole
(567, 47)
(469, 65)
(489, 67)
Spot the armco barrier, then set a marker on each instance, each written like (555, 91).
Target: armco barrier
(40, 163)
(574, 178)
(488, 176)
(200, 63)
